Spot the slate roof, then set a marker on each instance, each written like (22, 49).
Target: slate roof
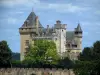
(49, 33)
(78, 28)
(31, 21)
(70, 35)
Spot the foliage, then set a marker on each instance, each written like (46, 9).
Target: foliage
(86, 54)
(5, 53)
(41, 52)
(66, 63)
(96, 50)
(89, 61)
(15, 56)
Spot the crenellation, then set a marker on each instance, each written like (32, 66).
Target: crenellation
(38, 71)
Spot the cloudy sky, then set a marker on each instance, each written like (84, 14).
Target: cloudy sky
(14, 12)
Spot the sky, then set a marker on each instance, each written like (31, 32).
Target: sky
(13, 13)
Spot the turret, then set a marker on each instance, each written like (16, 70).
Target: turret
(78, 30)
(78, 36)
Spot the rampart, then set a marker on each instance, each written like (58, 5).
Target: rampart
(35, 71)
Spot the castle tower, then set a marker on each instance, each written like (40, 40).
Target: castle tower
(27, 31)
(61, 36)
(78, 37)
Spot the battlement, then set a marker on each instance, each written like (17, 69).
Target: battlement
(42, 37)
(36, 71)
(27, 30)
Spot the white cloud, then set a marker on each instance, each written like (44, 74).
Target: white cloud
(66, 7)
(58, 7)
(11, 20)
(16, 12)
(18, 2)
(62, 8)
(97, 32)
(85, 33)
(97, 12)
(19, 12)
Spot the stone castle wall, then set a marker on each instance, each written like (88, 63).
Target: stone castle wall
(35, 71)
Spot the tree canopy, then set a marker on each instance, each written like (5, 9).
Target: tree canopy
(43, 51)
(89, 61)
(5, 53)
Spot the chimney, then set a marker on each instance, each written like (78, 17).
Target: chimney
(58, 22)
(47, 28)
(37, 24)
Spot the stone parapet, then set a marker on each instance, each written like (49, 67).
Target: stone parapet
(36, 71)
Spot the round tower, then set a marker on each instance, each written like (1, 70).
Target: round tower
(78, 37)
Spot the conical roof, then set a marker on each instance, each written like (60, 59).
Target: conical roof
(78, 28)
(31, 20)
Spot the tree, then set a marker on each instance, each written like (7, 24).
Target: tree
(43, 51)
(89, 61)
(96, 50)
(66, 63)
(15, 56)
(86, 54)
(5, 53)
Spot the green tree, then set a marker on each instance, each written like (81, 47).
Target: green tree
(96, 50)
(86, 54)
(43, 51)
(89, 61)
(66, 63)
(5, 53)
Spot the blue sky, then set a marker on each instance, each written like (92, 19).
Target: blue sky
(14, 12)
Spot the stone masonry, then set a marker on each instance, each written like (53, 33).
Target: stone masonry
(35, 71)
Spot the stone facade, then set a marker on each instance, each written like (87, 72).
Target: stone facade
(68, 43)
(35, 71)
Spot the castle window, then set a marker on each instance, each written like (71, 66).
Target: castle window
(25, 53)
(74, 45)
(27, 42)
(55, 38)
(62, 30)
(26, 49)
(68, 45)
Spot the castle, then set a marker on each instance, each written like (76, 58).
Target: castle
(68, 43)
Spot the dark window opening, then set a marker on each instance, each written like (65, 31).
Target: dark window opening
(74, 45)
(27, 43)
(68, 45)
(25, 53)
(55, 38)
(26, 49)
